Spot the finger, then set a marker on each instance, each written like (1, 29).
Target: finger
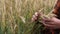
(46, 22)
(49, 26)
(46, 19)
(55, 19)
(34, 18)
(50, 23)
(36, 14)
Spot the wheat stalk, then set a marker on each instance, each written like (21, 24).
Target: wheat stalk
(49, 15)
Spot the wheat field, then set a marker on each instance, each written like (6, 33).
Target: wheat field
(15, 15)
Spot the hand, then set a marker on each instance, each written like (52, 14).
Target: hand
(52, 23)
(35, 16)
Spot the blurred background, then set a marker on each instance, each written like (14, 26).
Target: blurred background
(15, 15)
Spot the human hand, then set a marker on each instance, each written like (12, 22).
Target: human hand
(35, 16)
(52, 23)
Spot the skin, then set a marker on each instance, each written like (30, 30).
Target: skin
(52, 23)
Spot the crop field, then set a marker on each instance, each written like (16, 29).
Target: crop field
(15, 15)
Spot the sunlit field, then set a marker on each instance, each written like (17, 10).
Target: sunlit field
(15, 15)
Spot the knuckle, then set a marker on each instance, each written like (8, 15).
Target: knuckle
(36, 13)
